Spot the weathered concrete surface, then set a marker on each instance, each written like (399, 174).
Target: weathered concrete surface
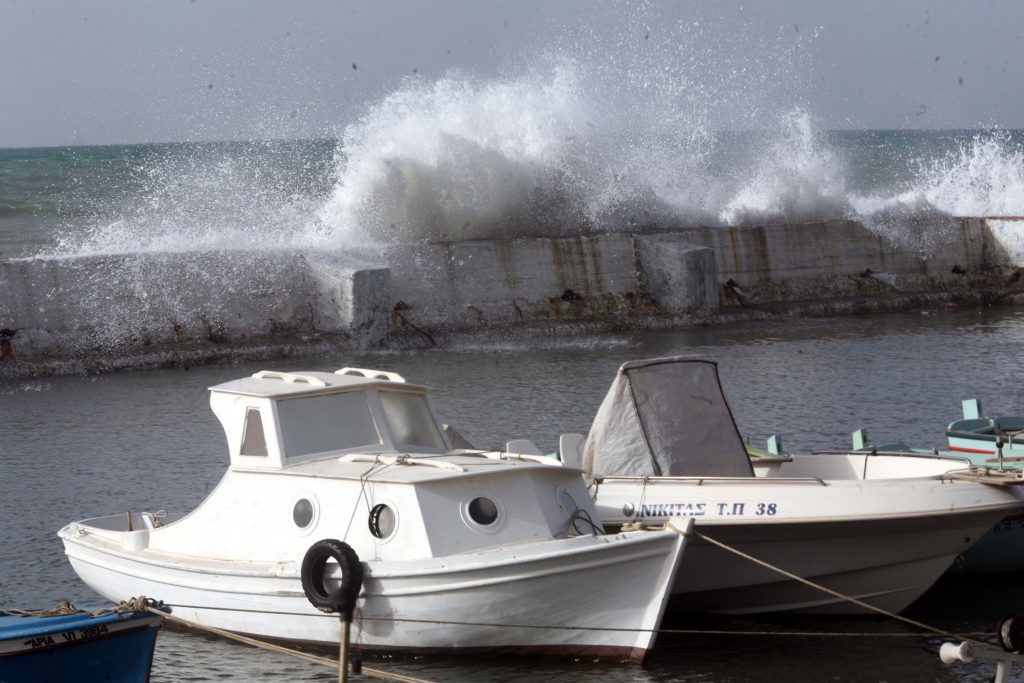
(105, 311)
(465, 285)
(821, 260)
(680, 278)
(349, 297)
(114, 305)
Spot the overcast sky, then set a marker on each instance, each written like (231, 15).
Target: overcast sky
(120, 71)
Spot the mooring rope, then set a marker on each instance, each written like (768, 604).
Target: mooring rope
(326, 661)
(62, 609)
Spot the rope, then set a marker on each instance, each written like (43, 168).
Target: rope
(375, 468)
(660, 631)
(581, 515)
(817, 586)
(326, 661)
(62, 609)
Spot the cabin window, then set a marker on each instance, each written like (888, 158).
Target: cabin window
(411, 420)
(253, 440)
(320, 424)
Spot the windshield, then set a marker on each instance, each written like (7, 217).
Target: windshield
(318, 424)
(411, 420)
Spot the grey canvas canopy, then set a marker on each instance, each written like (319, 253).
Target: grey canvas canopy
(666, 417)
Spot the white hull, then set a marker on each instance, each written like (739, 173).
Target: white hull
(887, 564)
(883, 541)
(1000, 550)
(555, 596)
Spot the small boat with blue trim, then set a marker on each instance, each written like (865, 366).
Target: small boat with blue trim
(976, 435)
(66, 644)
(1002, 548)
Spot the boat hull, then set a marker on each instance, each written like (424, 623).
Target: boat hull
(79, 647)
(601, 595)
(966, 443)
(879, 542)
(885, 563)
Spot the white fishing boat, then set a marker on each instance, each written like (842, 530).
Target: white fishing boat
(331, 474)
(878, 528)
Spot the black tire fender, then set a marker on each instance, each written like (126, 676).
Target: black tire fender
(314, 566)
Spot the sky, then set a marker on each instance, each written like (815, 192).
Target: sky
(75, 72)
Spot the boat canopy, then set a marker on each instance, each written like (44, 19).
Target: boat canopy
(666, 417)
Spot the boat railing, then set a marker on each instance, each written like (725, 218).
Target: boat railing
(700, 481)
(902, 454)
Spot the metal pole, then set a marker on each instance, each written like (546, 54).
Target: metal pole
(343, 653)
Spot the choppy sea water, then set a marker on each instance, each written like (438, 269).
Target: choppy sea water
(74, 447)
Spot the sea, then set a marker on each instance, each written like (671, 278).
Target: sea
(537, 154)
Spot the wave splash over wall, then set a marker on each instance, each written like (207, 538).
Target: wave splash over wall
(543, 155)
(601, 133)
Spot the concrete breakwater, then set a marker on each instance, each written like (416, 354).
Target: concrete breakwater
(96, 312)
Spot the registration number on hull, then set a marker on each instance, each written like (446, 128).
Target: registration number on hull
(728, 509)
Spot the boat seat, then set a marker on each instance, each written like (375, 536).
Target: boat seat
(524, 446)
(570, 450)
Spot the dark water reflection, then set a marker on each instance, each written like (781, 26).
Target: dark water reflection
(73, 447)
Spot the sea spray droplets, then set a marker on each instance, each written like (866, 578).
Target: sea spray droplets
(173, 198)
(799, 177)
(980, 176)
(984, 177)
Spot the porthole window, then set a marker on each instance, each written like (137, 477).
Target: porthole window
(305, 513)
(382, 520)
(483, 511)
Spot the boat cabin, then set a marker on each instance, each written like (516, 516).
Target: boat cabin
(276, 419)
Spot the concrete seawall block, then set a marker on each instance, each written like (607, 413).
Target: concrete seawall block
(102, 303)
(840, 258)
(679, 277)
(467, 284)
(127, 303)
(350, 297)
(1005, 238)
(208, 303)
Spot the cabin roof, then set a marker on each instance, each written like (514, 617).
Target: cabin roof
(275, 384)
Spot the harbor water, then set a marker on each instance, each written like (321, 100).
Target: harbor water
(79, 446)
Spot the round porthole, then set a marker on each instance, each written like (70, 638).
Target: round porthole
(382, 520)
(305, 512)
(483, 511)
